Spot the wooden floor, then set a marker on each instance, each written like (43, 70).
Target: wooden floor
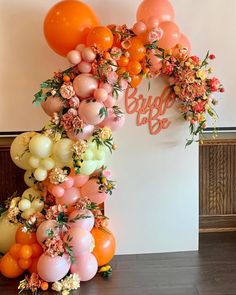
(212, 271)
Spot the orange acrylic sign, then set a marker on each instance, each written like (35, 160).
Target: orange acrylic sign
(149, 110)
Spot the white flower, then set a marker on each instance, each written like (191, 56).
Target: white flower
(57, 286)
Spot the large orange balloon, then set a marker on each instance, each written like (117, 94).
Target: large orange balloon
(100, 37)
(9, 267)
(136, 50)
(171, 35)
(67, 25)
(105, 245)
(25, 238)
(161, 10)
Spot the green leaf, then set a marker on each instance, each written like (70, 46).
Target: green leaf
(189, 142)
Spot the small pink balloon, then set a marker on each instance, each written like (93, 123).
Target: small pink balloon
(85, 133)
(81, 240)
(88, 54)
(106, 86)
(90, 112)
(68, 183)
(110, 102)
(70, 196)
(100, 94)
(84, 85)
(113, 121)
(171, 35)
(91, 191)
(74, 57)
(152, 22)
(52, 269)
(80, 47)
(156, 63)
(44, 228)
(53, 104)
(80, 180)
(139, 28)
(184, 41)
(58, 191)
(86, 221)
(86, 267)
(85, 67)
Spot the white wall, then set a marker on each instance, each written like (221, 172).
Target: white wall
(155, 208)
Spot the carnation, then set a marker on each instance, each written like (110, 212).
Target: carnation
(67, 91)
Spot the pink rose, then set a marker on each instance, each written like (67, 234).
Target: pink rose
(154, 35)
(67, 91)
(73, 112)
(123, 84)
(116, 53)
(112, 77)
(215, 84)
(107, 174)
(74, 102)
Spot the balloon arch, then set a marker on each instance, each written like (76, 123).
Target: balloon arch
(58, 225)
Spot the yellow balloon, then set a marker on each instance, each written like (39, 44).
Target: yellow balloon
(88, 167)
(30, 194)
(62, 151)
(8, 232)
(47, 163)
(34, 162)
(41, 146)
(29, 178)
(20, 150)
(40, 174)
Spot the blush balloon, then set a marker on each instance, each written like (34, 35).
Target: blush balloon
(171, 35)
(57, 191)
(110, 101)
(139, 28)
(155, 62)
(85, 67)
(68, 183)
(113, 121)
(44, 228)
(86, 222)
(81, 242)
(86, 266)
(88, 54)
(53, 104)
(91, 191)
(184, 41)
(70, 196)
(52, 269)
(80, 180)
(74, 57)
(89, 112)
(100, 94)
(85, 133)
(84, 85)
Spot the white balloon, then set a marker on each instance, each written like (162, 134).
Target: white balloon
(40, 174)
(24, 204)
(34, 162)
(19, 150)
(41, 146)
(29, 178)
(47, 163)
(62, 151)
(31, 194)
(88, 167)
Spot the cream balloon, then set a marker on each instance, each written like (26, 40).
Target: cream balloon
(29, 178)
(30, 194)
(88, 167)
(38, 205)
(88, 155)
(27, 213)
(34, 162)
(99, 154)
(40, 174)
(20, 150)
(24, 204)
(8, 232)
(47, 163)
(100, 163)
(62, 151)
(41, 146)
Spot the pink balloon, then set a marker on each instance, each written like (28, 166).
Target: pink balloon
(52, 269)
(88, 54)
(86, 132)
(86, 266)
(70, 196)
(57, 191)
(85, 67)
(68, 183)
(159, 9)
(113, 121)
(80, 180)
(110, 102)
(100, 94)
(139, 28)
(184, 41)
(74, 57)
(86, 223)
(155, 62)
(171, 35)
(52, 105)
(91, 191)
(106, 86)
(89, 112)
(152, 22)
(84, 85)
(81, 242)
(43, 229)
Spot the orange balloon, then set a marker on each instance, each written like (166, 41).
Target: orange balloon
(105, 245)
(123, 61)
(135, 80)
(101, 38)
(24, 263)
(9, 267)
(134, 67)
(171, 35)
(25, 252)
(136, 50)
(33, 266)
(25, 238)
(37, 250)
(15, 250)
(67, 25)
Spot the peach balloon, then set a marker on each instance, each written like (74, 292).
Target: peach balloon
(84, 85)
(80, 180)
(70, 197)
(91, 191)
(53, 104)
(44, 228)
(156, 63)
(139, 28)
(90, 112)
(171, 35)
(86, 221)
(85, 266)
(52, 269)
(85, 133)
(74, 57)
(113, 121)
(110, 101)
(184, 41)
(158, 9)
(85, 67)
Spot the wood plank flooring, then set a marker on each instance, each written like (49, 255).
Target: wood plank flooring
(211, 271)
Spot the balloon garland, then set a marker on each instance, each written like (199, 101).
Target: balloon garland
(58, 225)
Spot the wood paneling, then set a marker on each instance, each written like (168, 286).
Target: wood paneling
(218, 185)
